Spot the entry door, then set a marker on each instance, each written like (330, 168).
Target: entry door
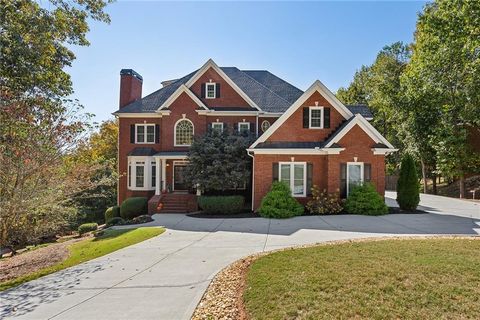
(354, 175)
(179, 177)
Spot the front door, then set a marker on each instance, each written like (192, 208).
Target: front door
(179, 177)
(354, 175)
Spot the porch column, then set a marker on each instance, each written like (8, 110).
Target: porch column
(157, 176)
(164, 174)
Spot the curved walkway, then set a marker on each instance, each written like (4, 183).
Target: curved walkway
(165, 277)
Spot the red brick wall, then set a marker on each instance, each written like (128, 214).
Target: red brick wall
(292, 129)
(228, 96)
(130, 89)
(326, 169)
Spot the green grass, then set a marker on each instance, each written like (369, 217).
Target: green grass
(391, 279)
(85, 250)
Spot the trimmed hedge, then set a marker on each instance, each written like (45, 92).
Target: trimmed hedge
(365, 200)
(408, 187)
(133, 207)
(221, 204)
(115, 221)
(111, 213)
(279, 203)
(87, 227)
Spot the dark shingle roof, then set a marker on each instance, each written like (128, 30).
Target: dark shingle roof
(362, 109)
(290, 145)
(171, 153)
(142, 151)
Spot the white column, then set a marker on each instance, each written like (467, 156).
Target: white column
(164, 174)
(157, 176)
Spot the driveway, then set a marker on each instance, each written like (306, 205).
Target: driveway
(165, 277)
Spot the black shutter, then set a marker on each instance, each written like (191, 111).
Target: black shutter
(202, 90)
(217, 90)
(132, 133)
(225, 127)
(157, 133)
(367, 172)
(309, 178)
(275, 171)
(235, 127)
(326, 118)
(209, 127)
(252, 127)
(306, 117)
(343, 180)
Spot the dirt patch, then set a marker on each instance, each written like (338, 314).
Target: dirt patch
(224, 296)
(31, 261)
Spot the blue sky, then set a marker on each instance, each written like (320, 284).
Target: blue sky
(298, 41)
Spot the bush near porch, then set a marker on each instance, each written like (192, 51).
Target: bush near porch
(134, 207)
(365, 200)
(279, 203)
(221, 204)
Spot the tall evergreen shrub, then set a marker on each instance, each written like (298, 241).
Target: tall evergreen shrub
(408, 187)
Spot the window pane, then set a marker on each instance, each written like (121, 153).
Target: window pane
(150, 133)
(285, 173)
(243, 127)
(211, 90)
(218, 127)
(298, 182)
(184, 133)
(140, 134)
(154, 175)
(315, 118)
(139, 176)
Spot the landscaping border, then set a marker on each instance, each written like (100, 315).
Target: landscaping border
(223, 298)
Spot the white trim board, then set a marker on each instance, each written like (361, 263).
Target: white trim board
(183, 88)
(211, 64)
(297, 151)
(317, 86)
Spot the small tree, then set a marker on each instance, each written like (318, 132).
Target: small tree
(218, 161)
(408, 195)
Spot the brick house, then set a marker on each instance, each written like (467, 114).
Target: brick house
(304, 138)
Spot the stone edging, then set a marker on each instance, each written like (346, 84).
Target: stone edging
(223, 297)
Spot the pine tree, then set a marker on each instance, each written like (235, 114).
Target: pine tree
(408, 188)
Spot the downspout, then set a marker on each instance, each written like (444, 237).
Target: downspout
(253, 177)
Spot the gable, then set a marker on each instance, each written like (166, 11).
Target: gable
(292, 128)
(229, 97)
(355, 137)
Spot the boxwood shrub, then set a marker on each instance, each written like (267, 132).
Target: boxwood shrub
(133, 207)
(365, 200)
(279, 203)
(111, 213)
(221, 204)
(87, 227)
(115, 221)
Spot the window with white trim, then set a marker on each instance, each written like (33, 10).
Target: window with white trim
(142, 173)
(210, 90)
(183, 133)
(294, 174)
(144, 133)
(243, 127)
(265, 125)
(217, 126)
(316, 117)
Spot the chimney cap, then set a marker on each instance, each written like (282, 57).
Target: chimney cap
(131, 72)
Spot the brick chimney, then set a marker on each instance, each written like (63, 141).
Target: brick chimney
(130, 86)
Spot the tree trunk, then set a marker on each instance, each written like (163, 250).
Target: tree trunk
(434, 183)
(461, 181)
(424, 177)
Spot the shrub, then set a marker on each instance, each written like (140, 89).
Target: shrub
(116, 221)
(408, 187)
(323, 202)
(365, 200)
(87, 227)
(112, 212)
(133, 207)
(140, 219)
(221, 204)
(279, 203)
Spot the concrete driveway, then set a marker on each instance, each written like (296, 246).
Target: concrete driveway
(165, 277)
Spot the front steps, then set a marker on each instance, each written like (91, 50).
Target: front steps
(172, 203)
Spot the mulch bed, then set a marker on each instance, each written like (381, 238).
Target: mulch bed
(30, 261)
(223, 298)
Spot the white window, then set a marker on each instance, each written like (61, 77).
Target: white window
(217, 126)
(265, 125)
(210, 90)
(141, 173)
(316, 117)
(243, 127)
(183, 134)
(294, 174)
(144, 133)
(354, 175)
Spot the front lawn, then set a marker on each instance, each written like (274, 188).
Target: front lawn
(388, 279)
(89, 249)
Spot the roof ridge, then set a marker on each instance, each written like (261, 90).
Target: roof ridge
(264, 85)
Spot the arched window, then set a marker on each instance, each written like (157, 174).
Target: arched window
(183, 132)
